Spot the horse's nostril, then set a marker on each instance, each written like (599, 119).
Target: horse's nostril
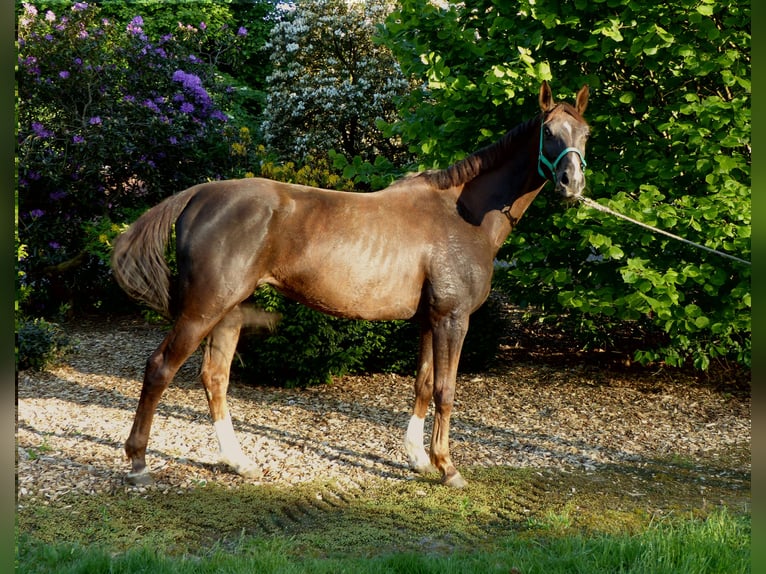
(565, 179)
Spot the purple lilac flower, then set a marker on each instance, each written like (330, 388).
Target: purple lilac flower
(137, 22)
(58, 195)
(173, 140)
(34, 175)
(79, 6)
(187, 108)
(29, 9)
(135, 27)
(193, 84)
(242, 31)
(40, 131)
(78, 61)
(78, 139)
(54, 245)
(129, 98)
(94, 121)
(63, 74)
(202, 26)
(36, 213)
(50, 16)
(151, 105)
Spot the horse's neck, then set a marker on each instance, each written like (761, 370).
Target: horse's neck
(496, 200)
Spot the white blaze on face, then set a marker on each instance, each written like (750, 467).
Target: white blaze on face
(568, 128)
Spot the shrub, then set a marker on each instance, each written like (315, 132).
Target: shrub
(331, 82)
(40, 344)
(110, 122)
(307, 347)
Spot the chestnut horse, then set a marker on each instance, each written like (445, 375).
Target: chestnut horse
(421, 249)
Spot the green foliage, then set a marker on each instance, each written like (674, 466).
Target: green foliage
(364, 174)
(40, 344)
(670, 114)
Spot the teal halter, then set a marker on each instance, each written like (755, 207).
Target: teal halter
(543, 161)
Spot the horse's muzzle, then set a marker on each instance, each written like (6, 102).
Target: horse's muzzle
(570, 181)
(569, 193)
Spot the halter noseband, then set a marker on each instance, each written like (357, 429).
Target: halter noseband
(543, 161)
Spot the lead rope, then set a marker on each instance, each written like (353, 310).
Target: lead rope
(590, 203)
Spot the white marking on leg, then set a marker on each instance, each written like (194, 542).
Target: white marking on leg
(230, 451)
(413, 446)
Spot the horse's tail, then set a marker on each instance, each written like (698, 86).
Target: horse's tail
(138, 254)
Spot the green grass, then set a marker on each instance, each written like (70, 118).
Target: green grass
(718, 544)
(545, 522)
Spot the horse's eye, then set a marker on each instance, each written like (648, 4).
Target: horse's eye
(548, 131)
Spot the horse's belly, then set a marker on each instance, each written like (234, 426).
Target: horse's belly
(358, 288)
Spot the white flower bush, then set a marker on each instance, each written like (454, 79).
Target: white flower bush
(331, 83)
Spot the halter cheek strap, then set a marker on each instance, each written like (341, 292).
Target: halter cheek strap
(543, 161)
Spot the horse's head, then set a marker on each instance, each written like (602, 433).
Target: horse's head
(563, 133)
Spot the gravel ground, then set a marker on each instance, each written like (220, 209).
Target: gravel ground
(73, 420)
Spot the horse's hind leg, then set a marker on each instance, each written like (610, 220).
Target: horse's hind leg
(424, 387)
(216, 365)
(161, 367)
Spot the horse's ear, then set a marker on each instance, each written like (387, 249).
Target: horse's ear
(582, 99)
(546, 97)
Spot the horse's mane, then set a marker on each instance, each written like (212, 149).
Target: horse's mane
(486, 159)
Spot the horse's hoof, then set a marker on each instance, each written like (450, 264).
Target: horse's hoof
(419, 461)
(250, 473)
(454, 481)
(140, 478)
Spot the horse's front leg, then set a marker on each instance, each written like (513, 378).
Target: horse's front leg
(424, 389)
(448, 334)
(216, 366)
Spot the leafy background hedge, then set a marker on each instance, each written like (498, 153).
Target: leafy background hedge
(124, 104)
